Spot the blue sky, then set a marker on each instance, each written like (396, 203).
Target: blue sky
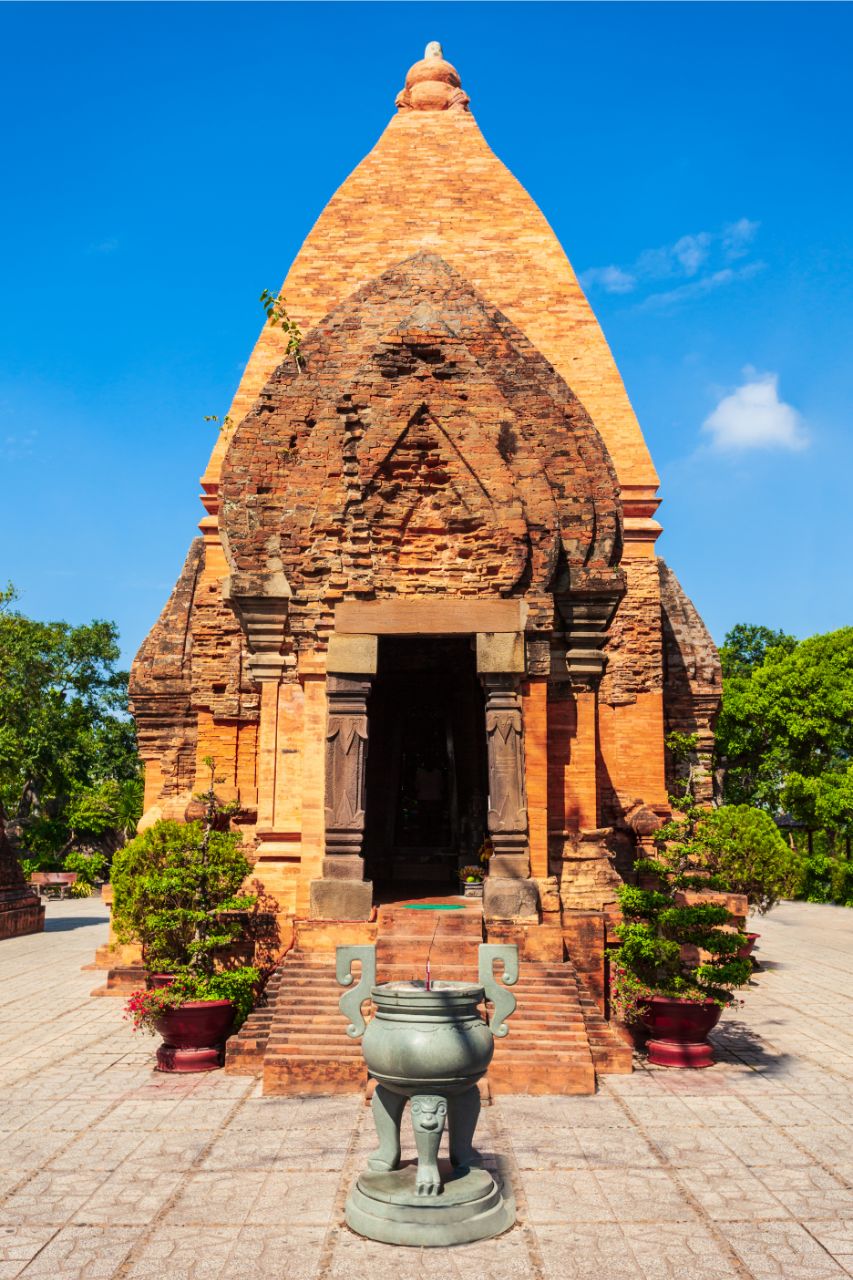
(161, 164)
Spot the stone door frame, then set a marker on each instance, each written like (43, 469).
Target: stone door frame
(352, 663)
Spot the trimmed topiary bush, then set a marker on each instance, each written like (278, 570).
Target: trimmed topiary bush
(743, 847)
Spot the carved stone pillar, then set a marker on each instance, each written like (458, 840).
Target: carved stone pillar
(507, 820)
(343, 893)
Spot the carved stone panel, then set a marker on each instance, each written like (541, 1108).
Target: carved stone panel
(507, 817)
(345, 773)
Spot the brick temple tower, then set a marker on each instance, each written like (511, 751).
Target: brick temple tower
(426, 605)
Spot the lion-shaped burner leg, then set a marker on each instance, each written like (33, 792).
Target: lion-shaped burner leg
(463, 1114)
(387, 1110)
(428, 1115)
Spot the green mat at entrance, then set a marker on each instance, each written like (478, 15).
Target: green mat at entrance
(433, 906)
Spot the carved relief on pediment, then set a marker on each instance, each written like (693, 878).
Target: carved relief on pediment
(424, 447)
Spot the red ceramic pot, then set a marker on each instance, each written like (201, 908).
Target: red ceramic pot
(747, 948)
(194, 1035)
(678, 1031)
(156, 981)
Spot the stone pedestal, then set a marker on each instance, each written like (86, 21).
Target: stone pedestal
(388, 1208)
(21, 911)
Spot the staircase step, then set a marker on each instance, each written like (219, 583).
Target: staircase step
(296, 1040)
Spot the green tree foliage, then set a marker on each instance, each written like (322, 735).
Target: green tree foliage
(746, 646)
(68, 763)
(785, 731)
(742, 847)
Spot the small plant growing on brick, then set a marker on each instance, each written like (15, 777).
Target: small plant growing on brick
(222, 424)
(277, 314)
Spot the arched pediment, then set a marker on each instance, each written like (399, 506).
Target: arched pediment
(424, 447)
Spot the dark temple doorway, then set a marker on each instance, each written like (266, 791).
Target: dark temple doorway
(426, 766)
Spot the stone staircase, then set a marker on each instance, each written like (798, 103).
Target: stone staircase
(295, 1040)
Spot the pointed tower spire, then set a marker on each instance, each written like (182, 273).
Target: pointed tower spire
(432, 84)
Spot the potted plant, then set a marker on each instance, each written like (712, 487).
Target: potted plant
(677, 962)
(194, 1014)
(471, 879)
(173, 887)
(742, 846)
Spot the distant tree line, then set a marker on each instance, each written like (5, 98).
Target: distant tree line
(784, 743)
(70, 778)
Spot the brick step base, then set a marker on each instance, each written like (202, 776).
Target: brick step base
(297, 1042)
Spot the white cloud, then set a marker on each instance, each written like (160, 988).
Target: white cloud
(612, 279)
(737, 238)
(753, 417)
(685, 260)
(671, 298)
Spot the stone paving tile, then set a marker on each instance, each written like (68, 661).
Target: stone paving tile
(266, 1253)
(108, 1169)
(181, 1253)
(616, 1149)
(726, 1193)
(50, 1198)
(567, 1196)
(506, 1258)
(214, 1197)
(83, 1253)
(19, 1245)
(300, 1196)
(131, 1196)
(781, 1251)
(808, 1192)
(583, 1251)
(665, 1251)
(644, 1195)
(835, 1237)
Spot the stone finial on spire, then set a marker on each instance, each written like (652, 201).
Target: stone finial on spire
(433, 85)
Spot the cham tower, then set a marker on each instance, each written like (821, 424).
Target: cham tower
(426, 607)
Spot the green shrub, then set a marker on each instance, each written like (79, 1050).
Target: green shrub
(825, 875)
(90, 865)
(741, 846)
(171, 885)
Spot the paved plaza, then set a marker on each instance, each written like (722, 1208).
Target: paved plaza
(111, 1170)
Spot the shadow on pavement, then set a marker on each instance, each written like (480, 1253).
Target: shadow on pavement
(741, 1041)
(61, 924)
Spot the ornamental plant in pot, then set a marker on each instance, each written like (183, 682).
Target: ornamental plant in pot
(171, 886)
(742, 846)
(677, 964)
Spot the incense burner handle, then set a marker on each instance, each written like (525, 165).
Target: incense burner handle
(351, 1001)
(504, 1001)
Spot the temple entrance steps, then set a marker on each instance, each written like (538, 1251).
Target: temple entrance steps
(407, 937)
(558, 1039)
(297, 1041)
